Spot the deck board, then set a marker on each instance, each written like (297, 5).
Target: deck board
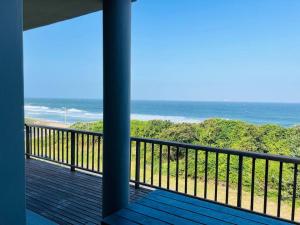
(171, 208)
(67, 197)
(218, 208)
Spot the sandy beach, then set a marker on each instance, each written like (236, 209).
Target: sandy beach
(47, 123)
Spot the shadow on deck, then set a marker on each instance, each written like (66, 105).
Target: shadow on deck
(66, 197)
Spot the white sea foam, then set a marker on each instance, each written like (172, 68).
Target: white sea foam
(35, 108)
(43, 109)
(74, 114)
(75, 110)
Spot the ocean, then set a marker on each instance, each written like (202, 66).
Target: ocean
(84, 110)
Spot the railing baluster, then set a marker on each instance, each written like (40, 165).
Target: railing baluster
(216, 176)
(130, 152)
(67, 140)
(227, 178)
(145, 146)
(62, 147)
(137, 165)
(205, 174)
(46, 143)
(99, 144)
(65, 146)
(279, 189)
(252, 184)
(54, 145)
(50, 147)
(27, 142)
(93, 152)
(87, 151)
(294, 191)
(38, 140)
(186, 170)
(168, 169)
(160, 165)
(152, 162)
(177, 167)
(77, 149)
(266, 186)
(34, 141)
(30, 137)
(72, 151)
(31, 146)
(42, 142)
(82, 150)
(58, 143)
(196, 172)
(240, 182)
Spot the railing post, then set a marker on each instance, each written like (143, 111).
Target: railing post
(294, 191)
(137, 164)
(72, 151)
(27, 136)
(240, 182)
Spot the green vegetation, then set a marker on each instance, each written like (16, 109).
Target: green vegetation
(30, 121)
(223, 134)
(216, 133)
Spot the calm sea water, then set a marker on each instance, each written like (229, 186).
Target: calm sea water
(73, 110)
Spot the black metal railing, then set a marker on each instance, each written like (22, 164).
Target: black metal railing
(254, 181)
(78, 149)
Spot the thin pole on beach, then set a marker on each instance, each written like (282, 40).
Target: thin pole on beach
(66, 111)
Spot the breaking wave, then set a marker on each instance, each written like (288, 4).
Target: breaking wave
(75, 115)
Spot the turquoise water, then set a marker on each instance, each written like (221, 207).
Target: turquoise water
(74, 110)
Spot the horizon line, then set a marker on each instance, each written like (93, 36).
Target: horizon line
(172, 100)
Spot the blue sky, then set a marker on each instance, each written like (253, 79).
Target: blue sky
(212, 50)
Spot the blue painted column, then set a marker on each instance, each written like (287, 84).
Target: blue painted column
(12, 178)
(116, 101)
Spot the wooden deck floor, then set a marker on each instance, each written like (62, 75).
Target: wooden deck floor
(162, 207)
(66, 197)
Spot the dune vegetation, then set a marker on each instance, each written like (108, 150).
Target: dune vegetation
(218, 133)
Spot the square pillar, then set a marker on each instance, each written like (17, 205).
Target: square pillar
(116, 102)
(12, 170)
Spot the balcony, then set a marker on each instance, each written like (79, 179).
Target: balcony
(170, 182)
(64, 168)
(65, 197)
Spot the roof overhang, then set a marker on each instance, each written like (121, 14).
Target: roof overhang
(39, 13)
